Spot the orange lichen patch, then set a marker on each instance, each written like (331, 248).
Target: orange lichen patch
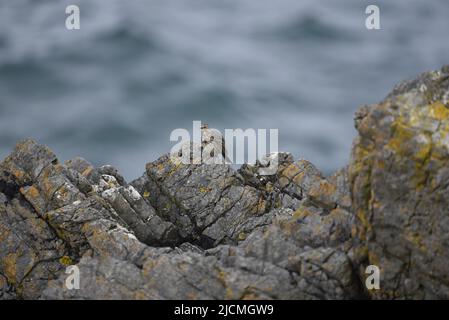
(100, 240)
(417, 240)
(323, 189)
(33, 195)
(140, 295)
(354, 231)
(269, 187)
(283, 182)
(19, 174)
(335, 215)
(302, 212)
(2, 282)
(222, 278)
(47, 185)
(31, 192)
(250, 296)
(291, 171)
(373, 258)
(4, 233)
(45, 178)
(10, 266)
(379, 163)
(192, 295)
(64, 192)
(148, 267)
(261, 205)
(299, 178)
(289, 227)
(87, 171)
(38, 224)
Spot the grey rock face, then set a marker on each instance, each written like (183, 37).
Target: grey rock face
(399, 178)
(207, 231)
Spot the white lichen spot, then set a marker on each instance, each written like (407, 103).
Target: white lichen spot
(108, 181)
(445, 98)
(119, 230)
(133, 194)
(110, 194)
(131, 236)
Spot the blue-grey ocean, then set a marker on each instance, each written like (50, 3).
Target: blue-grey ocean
(113, 91)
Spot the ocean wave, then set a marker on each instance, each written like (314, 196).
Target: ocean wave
(310, 28)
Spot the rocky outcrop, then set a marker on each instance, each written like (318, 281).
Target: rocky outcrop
(204, 231)
(399, 176)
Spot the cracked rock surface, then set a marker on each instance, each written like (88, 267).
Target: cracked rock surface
(204, 231)
(399, 176)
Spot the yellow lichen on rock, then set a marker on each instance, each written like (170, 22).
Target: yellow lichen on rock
(65, 261)
(10, 266)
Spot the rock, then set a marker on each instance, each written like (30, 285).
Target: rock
(177, 276)
(208, 203)
(399, 179)
(312, 247)
(29, 250)
(179, 231)
(47, 222)
(6, 290)
(207, 231)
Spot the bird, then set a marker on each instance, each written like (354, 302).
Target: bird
(211, 140)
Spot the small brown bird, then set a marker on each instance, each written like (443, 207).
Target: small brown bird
(211, 140)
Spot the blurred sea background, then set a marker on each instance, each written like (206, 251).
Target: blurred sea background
(113, 91)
